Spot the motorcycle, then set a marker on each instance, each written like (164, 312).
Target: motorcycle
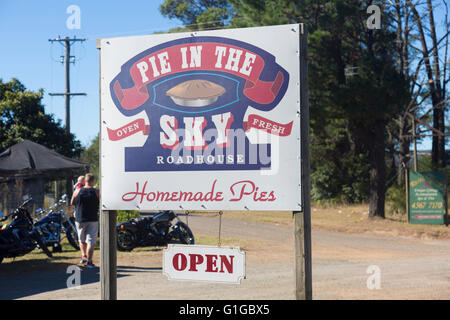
(157, 230)
(20, 236)
(54, 223)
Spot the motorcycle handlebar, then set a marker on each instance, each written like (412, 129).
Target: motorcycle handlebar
(54, 206)
(22, 206)
(25, 202)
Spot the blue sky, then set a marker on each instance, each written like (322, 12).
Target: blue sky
(26, 53)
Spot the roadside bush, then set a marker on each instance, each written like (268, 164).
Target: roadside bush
(124, 215)
(396, 199)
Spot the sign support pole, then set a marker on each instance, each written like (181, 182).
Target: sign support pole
(108, 249)
(108, 235)
(302, 219)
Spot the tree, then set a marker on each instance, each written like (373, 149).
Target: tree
(435, 70)
(197, 14)
(419, 55)
(22, 116)
(91, 156)
(355, 88)
(355, 91)
(402, 24)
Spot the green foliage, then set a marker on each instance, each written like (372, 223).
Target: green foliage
(354, 88)
(396, 199)
(197, 14)
(22, 116)
(338, 173)
(91, 155)
(424, 163)
(345, 106)
(252, 13)
(124, 216)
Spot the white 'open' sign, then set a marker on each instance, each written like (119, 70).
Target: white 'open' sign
(204, 263)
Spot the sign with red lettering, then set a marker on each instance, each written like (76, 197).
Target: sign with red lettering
(204, 263)
(204, 120)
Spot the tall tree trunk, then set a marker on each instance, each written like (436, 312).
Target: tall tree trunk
(403, 34)
(438, 148)
(377, 171)
(434, 80)
(403, 148)
(438, 112)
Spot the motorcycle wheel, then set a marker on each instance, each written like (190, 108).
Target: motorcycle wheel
(72, 236)
(43, 247)
(125, 240)
(184, 234)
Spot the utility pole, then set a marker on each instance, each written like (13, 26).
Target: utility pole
(67, 42)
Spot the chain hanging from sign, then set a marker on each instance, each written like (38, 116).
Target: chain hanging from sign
(220, 228)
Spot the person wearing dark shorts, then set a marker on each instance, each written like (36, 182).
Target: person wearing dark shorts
(86, 201)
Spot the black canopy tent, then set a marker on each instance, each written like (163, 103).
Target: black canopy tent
(26, 166)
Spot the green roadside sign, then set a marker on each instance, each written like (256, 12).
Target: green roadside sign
(426, 197)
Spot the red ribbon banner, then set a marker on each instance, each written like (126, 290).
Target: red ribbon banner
(128, 130)
(272, 127)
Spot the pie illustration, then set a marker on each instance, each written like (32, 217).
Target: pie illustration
(195, 93)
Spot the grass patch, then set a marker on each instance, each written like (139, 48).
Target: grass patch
(355, 219)
(273, 217)
(348, 219)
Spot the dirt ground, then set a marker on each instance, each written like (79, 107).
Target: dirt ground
(411, 267)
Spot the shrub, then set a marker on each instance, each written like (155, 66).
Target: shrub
(124, 215)
(396, 199)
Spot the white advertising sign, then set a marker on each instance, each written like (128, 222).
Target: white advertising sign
(201, 120)
(204, 263)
